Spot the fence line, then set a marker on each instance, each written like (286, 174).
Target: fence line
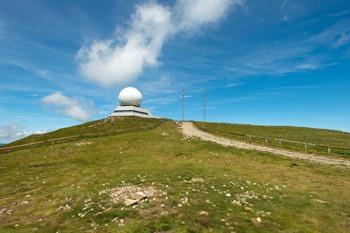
(82, 136)
(306, 144)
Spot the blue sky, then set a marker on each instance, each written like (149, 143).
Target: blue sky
(278, 62)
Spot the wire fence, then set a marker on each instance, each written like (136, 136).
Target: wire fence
(77, 137)
(285, 143)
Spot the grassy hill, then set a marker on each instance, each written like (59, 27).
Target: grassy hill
(200, 186)
(300, 134)
(94, 128)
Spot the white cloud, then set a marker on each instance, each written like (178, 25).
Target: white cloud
(40, 131)
(12, 131)
(193, 14)
(123, 58)
(69, 106)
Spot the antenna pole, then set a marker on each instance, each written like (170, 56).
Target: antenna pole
(183, 104)
(205, 105)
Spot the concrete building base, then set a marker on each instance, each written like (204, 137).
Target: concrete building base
(122, 111)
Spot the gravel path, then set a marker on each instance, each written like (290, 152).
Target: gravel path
(190, 130)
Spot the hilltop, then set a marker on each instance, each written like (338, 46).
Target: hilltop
(84, 183)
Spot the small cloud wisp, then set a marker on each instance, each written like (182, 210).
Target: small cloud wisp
(69, 106)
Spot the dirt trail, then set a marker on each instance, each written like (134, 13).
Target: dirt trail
(190, 130)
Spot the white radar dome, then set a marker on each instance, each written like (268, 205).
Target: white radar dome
(130, 96)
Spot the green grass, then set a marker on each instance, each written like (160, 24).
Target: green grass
(291, 195)
(300, 134)
(94, 127)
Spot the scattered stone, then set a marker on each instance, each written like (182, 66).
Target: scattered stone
(130, 202)
(83, 143)
(164, 213)
(319, 201)
(258, 219)
(197, 180)
(184, 200)
(2, 211)
(24, 202)
(242, 199)
(130, 195)
(65, 207)
(203, 213)
(115, 219)
(236, 202)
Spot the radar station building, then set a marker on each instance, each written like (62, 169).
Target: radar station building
(130, 100)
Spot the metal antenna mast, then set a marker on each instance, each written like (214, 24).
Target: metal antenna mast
(183, 104)
(205, 105)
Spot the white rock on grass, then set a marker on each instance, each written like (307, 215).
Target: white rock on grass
(130, 202)
(130, 195)
(203, 213)
(197, 180)
(184, 200)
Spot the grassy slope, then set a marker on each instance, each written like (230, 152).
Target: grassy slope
(98, 126)
(299, 195)
(301, 134)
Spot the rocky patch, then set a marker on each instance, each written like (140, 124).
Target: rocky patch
(130, 195)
